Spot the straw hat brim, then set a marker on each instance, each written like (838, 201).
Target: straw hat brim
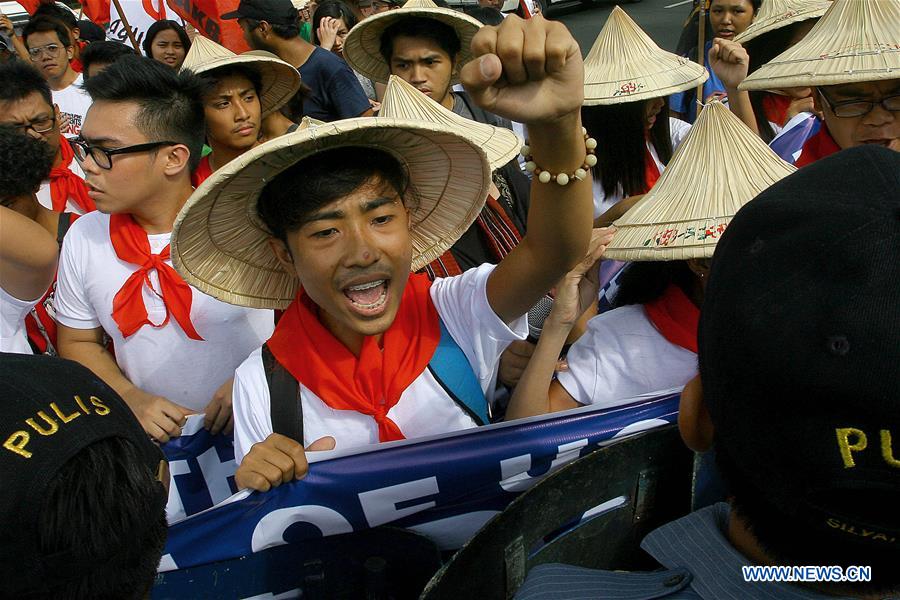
(362, 47)
(762, 26)
(279, 80)
(661, 78)
(220, 246)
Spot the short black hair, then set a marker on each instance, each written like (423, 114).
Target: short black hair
(104, 53)
(25, 162)
(487, 15)
(90, 31)
(212, 78)
(313, 182)
(20, 80)
(43, 24)
(107, 505)
(421, 27)
(285, 32)
(171, 103)
(336, 9)
(645, 281)
(160, 26)
(52, 10)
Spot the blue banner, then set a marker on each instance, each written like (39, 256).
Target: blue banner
(789, 142)
(445, 487)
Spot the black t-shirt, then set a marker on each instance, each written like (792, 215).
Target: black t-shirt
(336, 93)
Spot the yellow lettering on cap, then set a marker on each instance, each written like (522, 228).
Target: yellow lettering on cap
(62, 416)
(102, 409)
(53, 426)
(833, 523)
(886, 451)
(81, 405)
(858, 445)
(16, 443)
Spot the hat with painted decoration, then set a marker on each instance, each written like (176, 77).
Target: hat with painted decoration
(362, 46)
(220, 245)
(403, 101)
(775, 14)
(854, 41)
(625, 65)
(279, 81)
(719, 167)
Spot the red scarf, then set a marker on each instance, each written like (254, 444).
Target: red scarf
(675, 317)
(202, 171)
(132, 245)
(370, 384)
(64, 184)
(816, 147)
(651, 171)
(775, 107)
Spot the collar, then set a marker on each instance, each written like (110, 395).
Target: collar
(698, 543)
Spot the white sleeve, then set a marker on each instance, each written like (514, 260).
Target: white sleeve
(678, 130)
(462, 303)
(73, 309)
(251, 405)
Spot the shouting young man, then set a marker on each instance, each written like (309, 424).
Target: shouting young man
(348, 210)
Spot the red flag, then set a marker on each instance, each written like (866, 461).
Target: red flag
(204, 16)
(96, 10)
(30, 5)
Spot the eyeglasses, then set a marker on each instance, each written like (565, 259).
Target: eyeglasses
(859, 108)
(41, 125)
(103, 157)
(52, 51)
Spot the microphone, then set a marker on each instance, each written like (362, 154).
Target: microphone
(537, 314)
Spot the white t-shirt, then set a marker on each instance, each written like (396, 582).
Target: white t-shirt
(678, 130)
(46, 199)
(13, 337)
(622, 355)
(164, 360)
(73, 102)
(424, 407)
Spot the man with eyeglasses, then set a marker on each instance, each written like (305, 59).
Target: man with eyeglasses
(176, 348)
(26, 103)
(50, 49)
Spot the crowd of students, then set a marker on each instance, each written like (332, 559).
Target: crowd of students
(342, 236)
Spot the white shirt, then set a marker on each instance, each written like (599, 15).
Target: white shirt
(424, 407)
(46, 199)
(164, 360)
(13, 337)
(622, 355)
(73, 102)
(678, 130)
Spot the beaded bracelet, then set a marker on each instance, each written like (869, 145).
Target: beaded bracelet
(590, 159)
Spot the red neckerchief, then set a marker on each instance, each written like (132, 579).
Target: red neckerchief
(64, 184)
(775, 107)
(132, 245)
(202, 171)
(816, 147)
(675, 317)
(370, 384)
(651, 170)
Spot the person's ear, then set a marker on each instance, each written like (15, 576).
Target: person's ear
(76, 34)
(694, 423)
(817, 101)
(178, 159)
(283, 254)
(699, 267)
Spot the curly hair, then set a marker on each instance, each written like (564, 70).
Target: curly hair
(24, 163)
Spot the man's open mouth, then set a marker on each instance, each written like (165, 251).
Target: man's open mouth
(368, 297)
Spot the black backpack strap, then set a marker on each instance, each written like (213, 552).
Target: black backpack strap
(62, 226)
(284, 398)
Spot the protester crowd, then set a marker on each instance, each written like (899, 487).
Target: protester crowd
(391, 221)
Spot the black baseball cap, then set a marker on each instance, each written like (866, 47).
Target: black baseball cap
(276, 12)
(50, 410)
(799, 346)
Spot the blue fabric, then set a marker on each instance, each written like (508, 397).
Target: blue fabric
(336, 93)
(686, 102)
(451, 368)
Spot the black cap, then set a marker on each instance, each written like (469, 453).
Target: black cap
(799, 346)
(51, 409)
(275, 12)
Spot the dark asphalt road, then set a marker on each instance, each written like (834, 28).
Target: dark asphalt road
(586, 20)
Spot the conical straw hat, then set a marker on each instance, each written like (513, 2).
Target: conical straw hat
(775, 14)
(362, 46)
(280, 81)
(220, 246)
(625, 65)
(403, 101)
(720, 166)
(855, 41)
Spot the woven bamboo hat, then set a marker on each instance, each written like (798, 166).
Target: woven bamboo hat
(775, 14)
(403, 101)
(855, 41)
(280, 81)
(625, 65)
(362, 47)
(720, 166)
(220, 246)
